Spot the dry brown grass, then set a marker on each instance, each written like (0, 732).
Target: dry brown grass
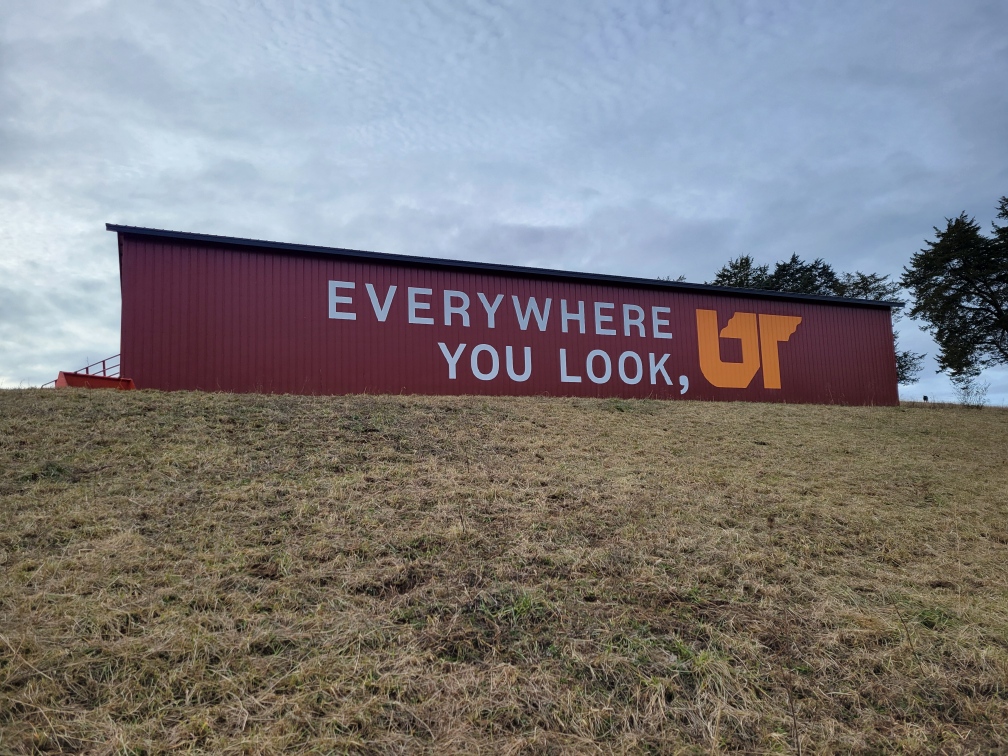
(249, 574)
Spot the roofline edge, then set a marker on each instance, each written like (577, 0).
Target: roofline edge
(438, 262)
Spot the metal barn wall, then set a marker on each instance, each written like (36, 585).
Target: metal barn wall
(227, 317)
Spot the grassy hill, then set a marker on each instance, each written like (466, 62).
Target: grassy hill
(249, 574)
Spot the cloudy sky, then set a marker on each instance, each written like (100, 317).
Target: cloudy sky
(643, 138)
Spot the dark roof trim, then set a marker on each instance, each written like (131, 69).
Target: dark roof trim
(519, 270)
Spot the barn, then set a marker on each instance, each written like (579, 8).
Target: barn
(212, 313)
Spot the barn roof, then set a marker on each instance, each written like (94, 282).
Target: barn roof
(481, 267)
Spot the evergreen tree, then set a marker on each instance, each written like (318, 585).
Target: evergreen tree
(960, 287)
(743, 273)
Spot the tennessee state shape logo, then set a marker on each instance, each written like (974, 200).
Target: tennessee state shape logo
(760, 335)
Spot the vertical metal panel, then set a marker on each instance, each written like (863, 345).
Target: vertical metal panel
(231, 318)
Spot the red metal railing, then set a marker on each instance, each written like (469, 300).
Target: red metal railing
(109, 369)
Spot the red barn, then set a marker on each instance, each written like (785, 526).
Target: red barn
(213, 313)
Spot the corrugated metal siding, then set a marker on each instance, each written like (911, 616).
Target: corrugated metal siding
(224, 317)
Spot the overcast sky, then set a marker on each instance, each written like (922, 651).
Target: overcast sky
(639, 138)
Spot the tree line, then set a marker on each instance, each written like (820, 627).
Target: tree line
(958, 284)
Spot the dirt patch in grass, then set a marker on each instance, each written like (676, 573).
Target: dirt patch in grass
(249, 574)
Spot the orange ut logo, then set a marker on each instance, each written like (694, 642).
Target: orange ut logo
(759, 345)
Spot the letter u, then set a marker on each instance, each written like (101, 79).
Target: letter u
(509, 359)
(722, 374)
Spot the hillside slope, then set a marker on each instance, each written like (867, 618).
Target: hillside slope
(250, 574)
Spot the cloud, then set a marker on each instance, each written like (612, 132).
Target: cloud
(46, 328)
